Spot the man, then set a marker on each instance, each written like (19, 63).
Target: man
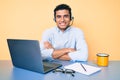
(64, 42)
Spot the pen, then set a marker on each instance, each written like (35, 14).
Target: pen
(83, 67)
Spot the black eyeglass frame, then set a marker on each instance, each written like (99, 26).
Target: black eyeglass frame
(66, 71)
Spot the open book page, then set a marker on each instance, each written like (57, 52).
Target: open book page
(87, 70)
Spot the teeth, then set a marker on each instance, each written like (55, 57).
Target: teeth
(62, 24)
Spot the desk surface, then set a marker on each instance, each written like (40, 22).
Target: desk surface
(8, 72)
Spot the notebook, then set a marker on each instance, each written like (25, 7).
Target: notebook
(83, 68)
(26, 54)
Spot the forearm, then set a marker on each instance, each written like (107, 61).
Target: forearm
(59, 53)
(65, 57)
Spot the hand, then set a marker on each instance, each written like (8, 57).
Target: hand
(48, 45)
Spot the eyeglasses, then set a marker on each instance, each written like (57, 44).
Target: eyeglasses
(66, 71)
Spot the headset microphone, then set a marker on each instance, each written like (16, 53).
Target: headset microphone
(72, 18)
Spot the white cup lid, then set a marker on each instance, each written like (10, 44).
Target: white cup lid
(103, 54)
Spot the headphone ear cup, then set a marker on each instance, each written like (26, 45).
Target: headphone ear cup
(72, 18)
(54, 19)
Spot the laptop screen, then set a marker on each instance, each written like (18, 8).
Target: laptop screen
(26, 54)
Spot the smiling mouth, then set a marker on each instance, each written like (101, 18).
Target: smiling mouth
(63, 24)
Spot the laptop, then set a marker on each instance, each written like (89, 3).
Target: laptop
(26, 54)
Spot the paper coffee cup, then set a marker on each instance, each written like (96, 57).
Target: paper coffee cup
(102, 59)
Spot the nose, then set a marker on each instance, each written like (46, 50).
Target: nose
(62, 19)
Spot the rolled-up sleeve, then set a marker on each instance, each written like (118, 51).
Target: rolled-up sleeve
(46, 53)
(82, 50)
(78, 56)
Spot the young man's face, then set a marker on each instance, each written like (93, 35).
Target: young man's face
(62, 19)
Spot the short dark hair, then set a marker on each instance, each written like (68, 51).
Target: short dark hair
(62, 7)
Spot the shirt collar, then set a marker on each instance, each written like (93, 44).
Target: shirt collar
(65, 30)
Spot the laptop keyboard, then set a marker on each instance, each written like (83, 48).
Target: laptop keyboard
(49, 66)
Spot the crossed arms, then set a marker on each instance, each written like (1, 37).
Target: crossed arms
(61, 53)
